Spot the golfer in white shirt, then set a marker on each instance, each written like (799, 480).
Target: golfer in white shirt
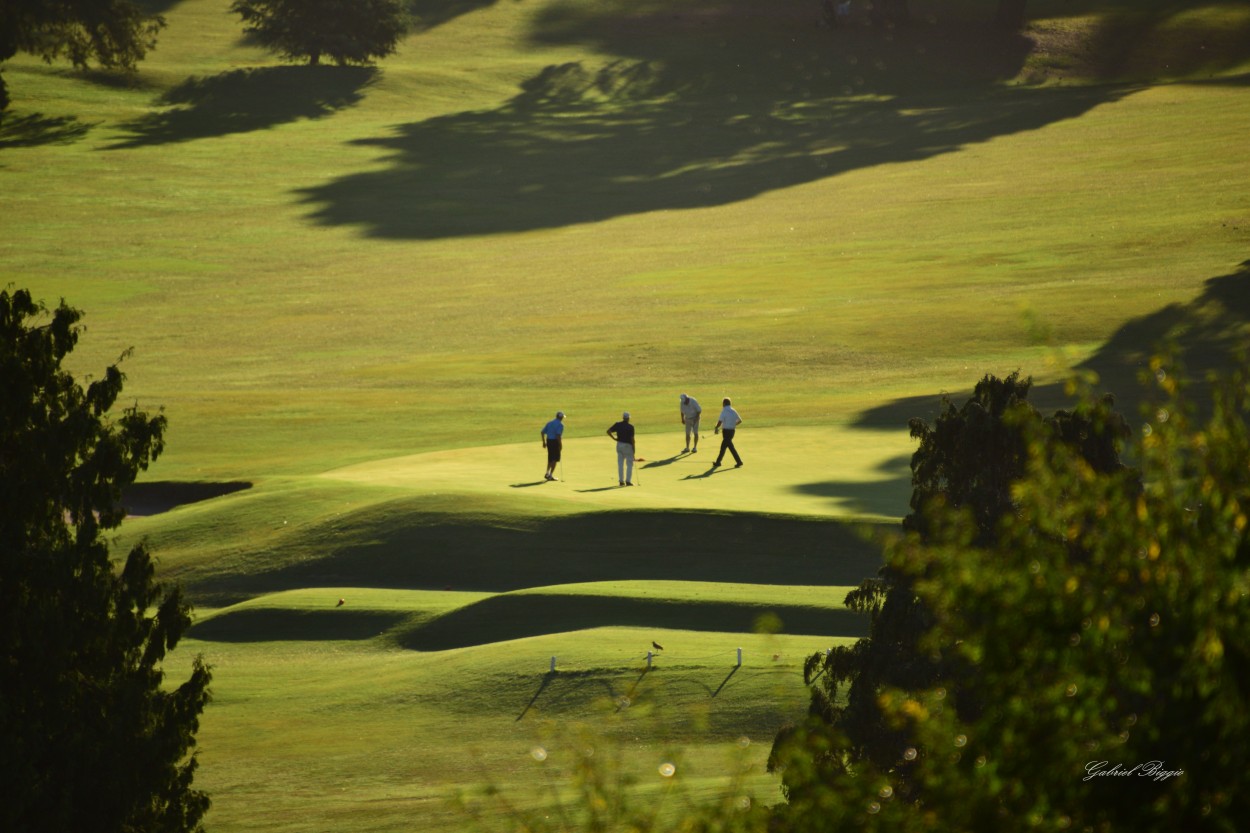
(727, 426)
(690, 412)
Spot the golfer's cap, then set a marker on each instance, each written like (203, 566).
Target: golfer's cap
(559, 414)
(684, 397)
(625, 415)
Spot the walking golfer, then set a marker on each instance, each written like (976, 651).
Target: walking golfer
(690, 412)
(727, 426)
(553, 439)
(623, 433)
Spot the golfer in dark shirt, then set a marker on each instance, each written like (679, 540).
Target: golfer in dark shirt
(623, 433)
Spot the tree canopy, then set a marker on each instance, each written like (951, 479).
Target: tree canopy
(1083, 656)
(967, 462)
(354, 32)
(93, 739)
(115, 33)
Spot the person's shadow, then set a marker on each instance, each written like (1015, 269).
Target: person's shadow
(711, 471)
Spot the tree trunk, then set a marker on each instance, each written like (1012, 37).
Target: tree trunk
(314, 59)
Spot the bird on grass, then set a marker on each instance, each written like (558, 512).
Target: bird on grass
(657, 646)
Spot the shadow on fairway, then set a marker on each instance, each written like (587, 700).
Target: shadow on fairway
(1208, 332)
(547, 678)
(561, 690)
(725, 681)
(890, 496)
(282, 625)
(37, 129)
(517, 616)
(245, 100)
(711, 471)
(155, 497)
(698, 110)
(397, 545)
(429, 14)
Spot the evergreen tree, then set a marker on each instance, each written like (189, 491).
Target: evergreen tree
(92, 739)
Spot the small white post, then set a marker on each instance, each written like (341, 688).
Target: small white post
(648, 660)
(553, 664)
(739, 657)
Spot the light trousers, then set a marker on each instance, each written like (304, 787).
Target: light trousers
(624, 462)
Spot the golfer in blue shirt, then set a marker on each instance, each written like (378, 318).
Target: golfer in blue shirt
(553, 439)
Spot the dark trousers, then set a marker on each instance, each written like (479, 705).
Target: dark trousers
(727, 442)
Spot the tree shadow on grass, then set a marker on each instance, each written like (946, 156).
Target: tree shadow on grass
(155, 497)
(37, 129)
(274, 625)
(430, 14)
(698, 110)
(1207, 333)
(888, 497)
(245, 100)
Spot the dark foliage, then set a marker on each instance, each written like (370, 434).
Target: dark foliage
(115, 33)
(93, 741)
(345, 31)
(967, 462)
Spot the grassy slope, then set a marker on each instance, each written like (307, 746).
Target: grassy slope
(431, 256)
(365, 291)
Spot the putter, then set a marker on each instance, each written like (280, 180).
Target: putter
(638, 470)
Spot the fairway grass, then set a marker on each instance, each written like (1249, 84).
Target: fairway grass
(320, 268)
(359, 293)
(306, 735)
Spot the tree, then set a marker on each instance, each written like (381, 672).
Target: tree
(93, 740)
(968, 462)
(116, 33)
(346, 31)
(1103, 633)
